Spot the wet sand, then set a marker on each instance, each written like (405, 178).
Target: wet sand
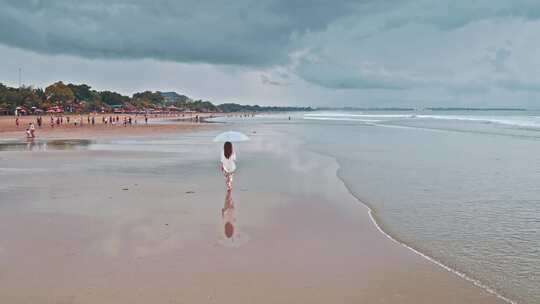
(146, 227)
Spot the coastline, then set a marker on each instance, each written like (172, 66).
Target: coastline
(378, 224)
(316, 244)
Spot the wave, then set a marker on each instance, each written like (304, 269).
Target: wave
(524, 121)
(330, 115)
(342, 119)
(518, 121)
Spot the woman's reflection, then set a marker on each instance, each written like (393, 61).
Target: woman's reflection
(30, 143)
(227, 214)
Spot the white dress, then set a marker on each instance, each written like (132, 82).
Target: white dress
(229, 164)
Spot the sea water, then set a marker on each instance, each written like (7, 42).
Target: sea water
(461, 187)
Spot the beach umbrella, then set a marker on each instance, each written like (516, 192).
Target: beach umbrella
(231, 136)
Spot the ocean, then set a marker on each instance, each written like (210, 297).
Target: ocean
(460, 187)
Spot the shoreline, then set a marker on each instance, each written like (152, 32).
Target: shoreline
(283, 216)
(377, 223)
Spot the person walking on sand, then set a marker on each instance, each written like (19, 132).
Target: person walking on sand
(32, 129)
(228, 163)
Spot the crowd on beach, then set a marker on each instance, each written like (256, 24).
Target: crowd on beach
(33, 123)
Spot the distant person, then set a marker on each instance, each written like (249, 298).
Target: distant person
(32, 129)
(228, 163)
(146, 119)
(17, 122)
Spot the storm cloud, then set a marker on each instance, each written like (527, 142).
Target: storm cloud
(221, 32)
(376, 49)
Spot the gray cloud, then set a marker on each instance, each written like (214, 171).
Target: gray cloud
(268, 80)
(365, 54)
(237, 32)
(241, 32)
(395, 49)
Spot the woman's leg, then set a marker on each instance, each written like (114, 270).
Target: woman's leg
(229, 178)
(226, 174)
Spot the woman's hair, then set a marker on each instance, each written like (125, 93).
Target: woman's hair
(227, 149)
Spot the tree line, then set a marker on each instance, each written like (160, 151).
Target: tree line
(82, 98)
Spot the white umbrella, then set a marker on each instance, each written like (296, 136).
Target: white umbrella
(231, 136)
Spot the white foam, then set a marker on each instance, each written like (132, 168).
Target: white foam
(342, 119)
(519, 121)
(523, 121)
(330, 115)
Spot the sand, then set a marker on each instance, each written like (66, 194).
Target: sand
(156, 125)
(146, 227)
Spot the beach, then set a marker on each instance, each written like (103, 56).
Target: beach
(157, 124)
(137, 218)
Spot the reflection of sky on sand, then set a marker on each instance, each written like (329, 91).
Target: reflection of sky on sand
(44, 145)
(119, 220)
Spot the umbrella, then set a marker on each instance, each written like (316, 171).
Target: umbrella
(231, 136)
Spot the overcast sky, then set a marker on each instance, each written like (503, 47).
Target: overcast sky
(284, 52)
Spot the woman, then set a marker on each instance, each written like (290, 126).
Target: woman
(32, 129)
(228, 165)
